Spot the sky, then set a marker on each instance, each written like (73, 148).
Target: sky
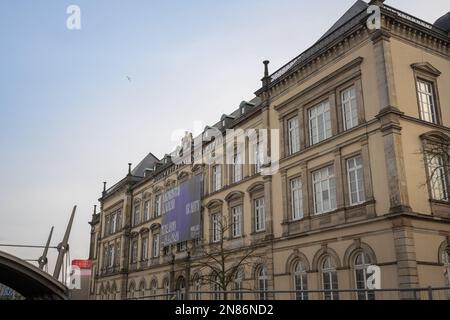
(77, 105)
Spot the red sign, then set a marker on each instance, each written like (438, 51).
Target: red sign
(82, 264)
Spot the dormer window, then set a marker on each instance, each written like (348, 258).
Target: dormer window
(224, 123)
(242, 110)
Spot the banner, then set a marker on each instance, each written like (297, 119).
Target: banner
(181, 212)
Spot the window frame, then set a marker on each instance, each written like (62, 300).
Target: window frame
(259, 217)
(292, 133)
(313, 188)
(299, 189)
(322, 103)
(356, 169)
(343, 109)
(233, 224)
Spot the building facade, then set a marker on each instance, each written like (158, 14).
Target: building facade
(358, 115)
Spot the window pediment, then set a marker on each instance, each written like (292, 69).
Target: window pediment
(426, 67)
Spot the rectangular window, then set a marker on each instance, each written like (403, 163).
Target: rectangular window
(427, 103)
(158, 205)
(296, 199)
(236, 216)
(181, 246)
(147, 210)
(324, 188)
(237, 168)
(355, 177)
(257, 161)
(293, 135)
(438, 177)
(113, 223)
(134, 251)
(137, 215)
(144, 253)
(260, 215)
(111, 252)
(349, 108)
(155, 249)
(216, 178)
(319, 123)
(216, 227)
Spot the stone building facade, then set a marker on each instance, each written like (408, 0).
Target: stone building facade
(356, 114)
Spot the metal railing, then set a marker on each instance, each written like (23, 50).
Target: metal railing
(441, 293)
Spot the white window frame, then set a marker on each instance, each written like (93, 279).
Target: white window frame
(257, 158)
(111, 255)
(237, 168)
(328, 274)
(362, 268)
(319, 117)
(355, 177)
(134, 251)
(237, 284)
(158, 205)
(263, 284)
(216, 177)
(144, 248)
(293, 135)
(438, 178)
(295, 185)
(349, 108)
(146, 210)
(300, 281)
(216, 227)
(321, 178)
(137, 214)
(155, 246)
(259, 214)
(236, 218)
(427, 101)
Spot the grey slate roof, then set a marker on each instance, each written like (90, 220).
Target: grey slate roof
(146, 163)
(443, 22)
(357, 7)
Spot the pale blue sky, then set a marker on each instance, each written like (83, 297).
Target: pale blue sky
(70, 119)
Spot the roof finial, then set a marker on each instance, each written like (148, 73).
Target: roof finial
(104, 187)
(95, 210)
(129, 169)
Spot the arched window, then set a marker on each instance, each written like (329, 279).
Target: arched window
(216, 287)
(300, 281)
(329, 278)
(237, 284)
(154, 289)
(446, 261)
(142, 290)
(181, 288)
(166, 286)
(361, 262)
(263, 284)
(197, 287)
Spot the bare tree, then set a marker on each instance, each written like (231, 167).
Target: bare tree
(437, 163)
(218, 263)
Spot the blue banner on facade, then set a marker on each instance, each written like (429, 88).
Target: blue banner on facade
(181, 212)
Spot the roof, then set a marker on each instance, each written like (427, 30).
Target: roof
(443, 22)
(147, 163)
(357, 7)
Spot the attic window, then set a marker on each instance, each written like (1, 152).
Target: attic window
(224, 123)
(242, 110)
